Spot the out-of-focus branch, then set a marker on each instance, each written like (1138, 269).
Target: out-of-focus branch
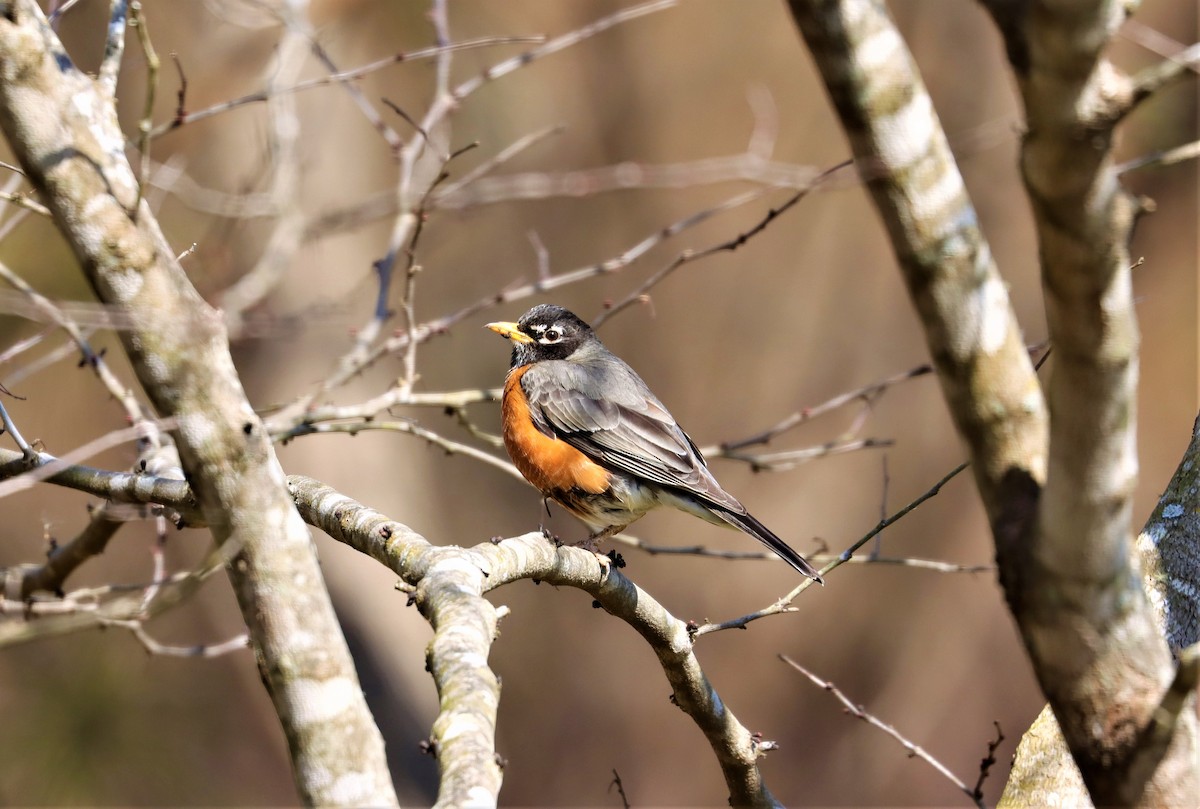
(138, 629)
(183, 117)
(366, 351)
(51, 312)
(1153, 79)
(411, 428)
(284, 133)
(481, 190)
(557, 44)
(867, 394)
(34, 618)
(1167, 157)
(819, 559)
(69, 144)
(449, 583)
(728, 245)
(66, 558)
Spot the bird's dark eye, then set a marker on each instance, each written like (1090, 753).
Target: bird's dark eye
(552, 335)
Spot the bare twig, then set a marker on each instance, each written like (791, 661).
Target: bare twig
(1154, 78)
(183, 117)
(63, 559)
(782, 605)
(26, 202)
(66, 6)
(543, 255)
(51, 358)
(389, 135)
(11, 428)
(499, 159)
(133, 410)
(867, 393)
(912, 748)
(557, 44)
(137, 19)
(21, 346)
(152, 646)
(412, 428)
(877, 548)
(1168, 157)
(789, 459)
(818, 559)
(728, 245)
(616, 782)
(987, 762)
(365, 411)
(159, 560)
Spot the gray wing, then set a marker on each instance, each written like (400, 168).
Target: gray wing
(626, 428)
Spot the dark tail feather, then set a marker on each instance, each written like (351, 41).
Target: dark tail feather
(754, 528)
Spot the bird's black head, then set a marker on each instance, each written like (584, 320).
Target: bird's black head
(545, 332)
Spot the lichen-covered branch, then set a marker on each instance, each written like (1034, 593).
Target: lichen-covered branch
(1169, 549)
(125, 487)
(65, 135)
(448, 584)
(1097, 649)
(1057, 488)
(970, 328)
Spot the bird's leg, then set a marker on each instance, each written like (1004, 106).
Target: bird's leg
(592, 541)
(546, 532)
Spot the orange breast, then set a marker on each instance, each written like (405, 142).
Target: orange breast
(549, 464)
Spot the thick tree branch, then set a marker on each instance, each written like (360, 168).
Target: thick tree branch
(69, 144)
(1169, 549)
(972, 333)
(125, 487)
(1097, 649)
(448, 584)
(1064, 553)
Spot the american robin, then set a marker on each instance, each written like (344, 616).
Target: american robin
(584, 429)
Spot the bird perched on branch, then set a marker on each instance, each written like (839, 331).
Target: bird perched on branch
(586, 431)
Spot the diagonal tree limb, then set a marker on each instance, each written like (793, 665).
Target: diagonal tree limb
(447, 584)
(972, 333)
(69, 144)
(1098, 651)
(1169, 549)
(1058, 504)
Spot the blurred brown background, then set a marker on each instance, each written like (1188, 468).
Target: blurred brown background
(808, 309)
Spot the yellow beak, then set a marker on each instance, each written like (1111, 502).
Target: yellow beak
(510, 330)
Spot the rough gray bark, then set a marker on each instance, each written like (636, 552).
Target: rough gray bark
(447, 584)
(1169, 547)
(63, 130)
(1057, 491)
